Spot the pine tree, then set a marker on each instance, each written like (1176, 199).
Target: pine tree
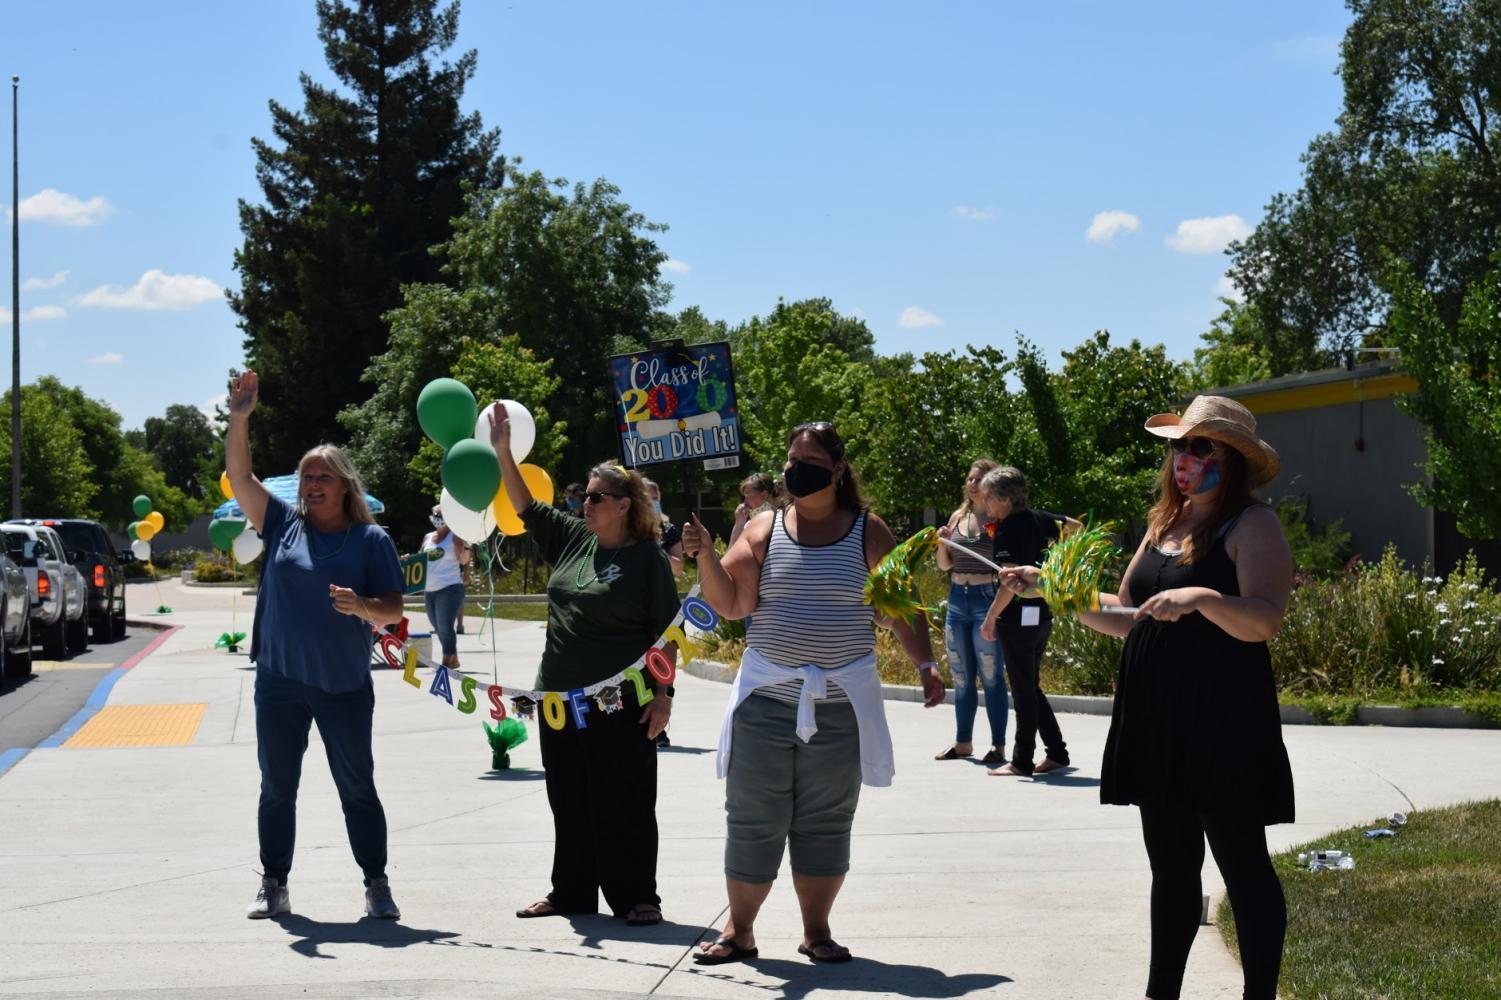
(358, 187)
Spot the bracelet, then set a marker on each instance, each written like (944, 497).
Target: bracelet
(923, 668)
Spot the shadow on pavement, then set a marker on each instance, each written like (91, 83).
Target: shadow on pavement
(1067, 778)
(312, 934)
(593, 928)
(674, 748)
(859, 975)
(512, 775)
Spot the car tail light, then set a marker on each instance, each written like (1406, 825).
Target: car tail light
(43, 585)
(99, 577)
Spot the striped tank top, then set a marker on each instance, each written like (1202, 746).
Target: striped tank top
(979, 542)
(811, 606)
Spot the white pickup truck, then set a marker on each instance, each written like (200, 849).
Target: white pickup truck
(57, 588)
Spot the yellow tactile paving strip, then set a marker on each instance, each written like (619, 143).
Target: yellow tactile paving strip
(139, 726)
(42, 666)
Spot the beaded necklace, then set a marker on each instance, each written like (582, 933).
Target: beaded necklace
(579, 583)
(344, 541)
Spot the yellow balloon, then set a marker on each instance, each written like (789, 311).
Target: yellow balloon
(538, 482)
(229, 494)
(145, 530)
(156, 520)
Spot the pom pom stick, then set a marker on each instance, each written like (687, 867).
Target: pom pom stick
(891, 588)
(1073, 568)
(503, 739)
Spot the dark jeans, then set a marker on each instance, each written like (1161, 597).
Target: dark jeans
(1174, 833)
(284, 712)
(972, 658)
(443, 607)
(602, 787)
(1023, 647)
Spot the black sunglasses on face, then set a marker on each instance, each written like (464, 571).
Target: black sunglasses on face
(817, 425)
(595, 496)
(1198, 447)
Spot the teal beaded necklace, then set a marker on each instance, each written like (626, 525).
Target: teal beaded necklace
(579, 583)
(343, 542)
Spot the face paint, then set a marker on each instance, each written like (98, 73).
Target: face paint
(1196, 476)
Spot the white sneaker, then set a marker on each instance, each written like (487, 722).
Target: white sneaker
(273, 900)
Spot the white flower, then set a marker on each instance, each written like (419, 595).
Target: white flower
(1416, 631)
(1471, 605)
(1443, 621)
(1442, 606)
(1437, 662)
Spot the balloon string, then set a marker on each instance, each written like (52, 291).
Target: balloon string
(491, 547)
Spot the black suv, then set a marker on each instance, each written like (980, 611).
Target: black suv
(89, 548)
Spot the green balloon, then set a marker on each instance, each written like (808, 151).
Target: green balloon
(141, 505)
(222, 534)
(236, 525)
(471, 473)
(446, 411)
(131, 531)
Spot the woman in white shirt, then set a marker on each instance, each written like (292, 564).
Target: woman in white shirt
(447, 555)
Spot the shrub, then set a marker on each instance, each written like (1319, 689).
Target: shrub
(1322, 553)
(213, 571)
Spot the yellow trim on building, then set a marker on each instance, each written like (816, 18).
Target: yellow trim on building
(1355, 390)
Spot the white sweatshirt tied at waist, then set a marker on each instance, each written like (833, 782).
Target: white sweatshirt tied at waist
(860, 683)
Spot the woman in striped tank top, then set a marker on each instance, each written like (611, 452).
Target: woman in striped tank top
(795, 772)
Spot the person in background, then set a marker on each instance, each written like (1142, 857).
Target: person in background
(758, 492)
(1022, 535)
(610, 595)
(329, 573)
(573, 499)
(972, 657)
(672, 534)
(1195, 737)
(443, 598)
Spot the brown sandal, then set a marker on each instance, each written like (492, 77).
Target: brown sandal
(537, 910)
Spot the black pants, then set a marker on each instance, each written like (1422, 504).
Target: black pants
(602, 786)
(1023, 647)
(1174, 833)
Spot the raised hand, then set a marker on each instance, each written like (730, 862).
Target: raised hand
(244, 393)
(500, 428)
(696, 537)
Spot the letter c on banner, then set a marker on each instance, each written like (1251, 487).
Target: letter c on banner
(498, 707)
(697, 611)
(552, 710)
(467, 702)
(660, 666)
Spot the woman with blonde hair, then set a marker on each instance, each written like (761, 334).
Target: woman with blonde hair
(330, 572)
(1196, 734)
(610, 595)
(972, 657)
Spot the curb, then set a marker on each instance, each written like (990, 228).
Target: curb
(1292, 715)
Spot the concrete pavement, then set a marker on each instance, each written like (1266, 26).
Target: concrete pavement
(125, 872)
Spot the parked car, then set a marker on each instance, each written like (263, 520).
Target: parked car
(75, 588)
(48, 584)
(90, 548)
(15, 619)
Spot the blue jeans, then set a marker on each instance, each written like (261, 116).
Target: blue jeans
(970, 656)
(284, 712)
(443, 611)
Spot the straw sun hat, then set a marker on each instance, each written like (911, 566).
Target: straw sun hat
(1228, 422)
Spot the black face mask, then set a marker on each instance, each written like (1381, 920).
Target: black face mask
(804, 478)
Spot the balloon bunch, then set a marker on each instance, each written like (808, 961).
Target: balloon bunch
(892, 586)
(474, 503)
(233, 536)
(1073, 568)
(141, 533)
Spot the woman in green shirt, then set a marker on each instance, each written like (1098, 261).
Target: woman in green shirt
(609, 598)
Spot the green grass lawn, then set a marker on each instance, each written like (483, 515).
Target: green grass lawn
(512, 612)
(1418, 917)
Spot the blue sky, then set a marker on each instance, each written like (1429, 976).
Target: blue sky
(953, 173)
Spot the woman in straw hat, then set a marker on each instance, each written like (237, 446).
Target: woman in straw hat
(1195, 736)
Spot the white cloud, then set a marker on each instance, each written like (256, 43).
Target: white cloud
(156, 290)
(855, 312)
(36, 284)
(209, 406)
(63, 209)
(38, 314)
(1208, 235)
(107, 358)
(972, 214)
(1226, 288)
(1106, 224)
(1316, 50)
(676, 266)
(914, 318)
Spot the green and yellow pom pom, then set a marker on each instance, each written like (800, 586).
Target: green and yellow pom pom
(1074, 567)
(892, 586)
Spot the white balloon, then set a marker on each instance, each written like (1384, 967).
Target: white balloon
(141, 550)
(247, 546)
(523, 429)
(473, 526)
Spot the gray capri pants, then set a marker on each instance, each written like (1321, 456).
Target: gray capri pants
(780, 790)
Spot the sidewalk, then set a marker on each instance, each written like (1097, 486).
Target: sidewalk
(124, 872)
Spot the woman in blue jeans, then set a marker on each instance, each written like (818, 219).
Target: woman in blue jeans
(330, 572)
(972, 588)
(443, 597)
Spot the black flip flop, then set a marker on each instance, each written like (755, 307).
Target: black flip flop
(736, 954)
(952, 753)
(811, 951)
(994, 758)
(551, 911)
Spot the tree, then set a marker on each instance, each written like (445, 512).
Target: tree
(1235, 351)
(179, 443)
(1413, 171)
(357, 188)
(57, 479)
(1459, 394)
(571, 272)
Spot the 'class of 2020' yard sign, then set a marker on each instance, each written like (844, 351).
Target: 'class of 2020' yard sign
(676, 404)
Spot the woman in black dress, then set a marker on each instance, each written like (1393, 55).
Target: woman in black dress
(1195, 737)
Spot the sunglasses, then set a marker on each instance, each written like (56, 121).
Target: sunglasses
(596, 496)
(1198, 447)
(816, 425)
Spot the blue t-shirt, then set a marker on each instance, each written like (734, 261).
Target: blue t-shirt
(297, 633)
